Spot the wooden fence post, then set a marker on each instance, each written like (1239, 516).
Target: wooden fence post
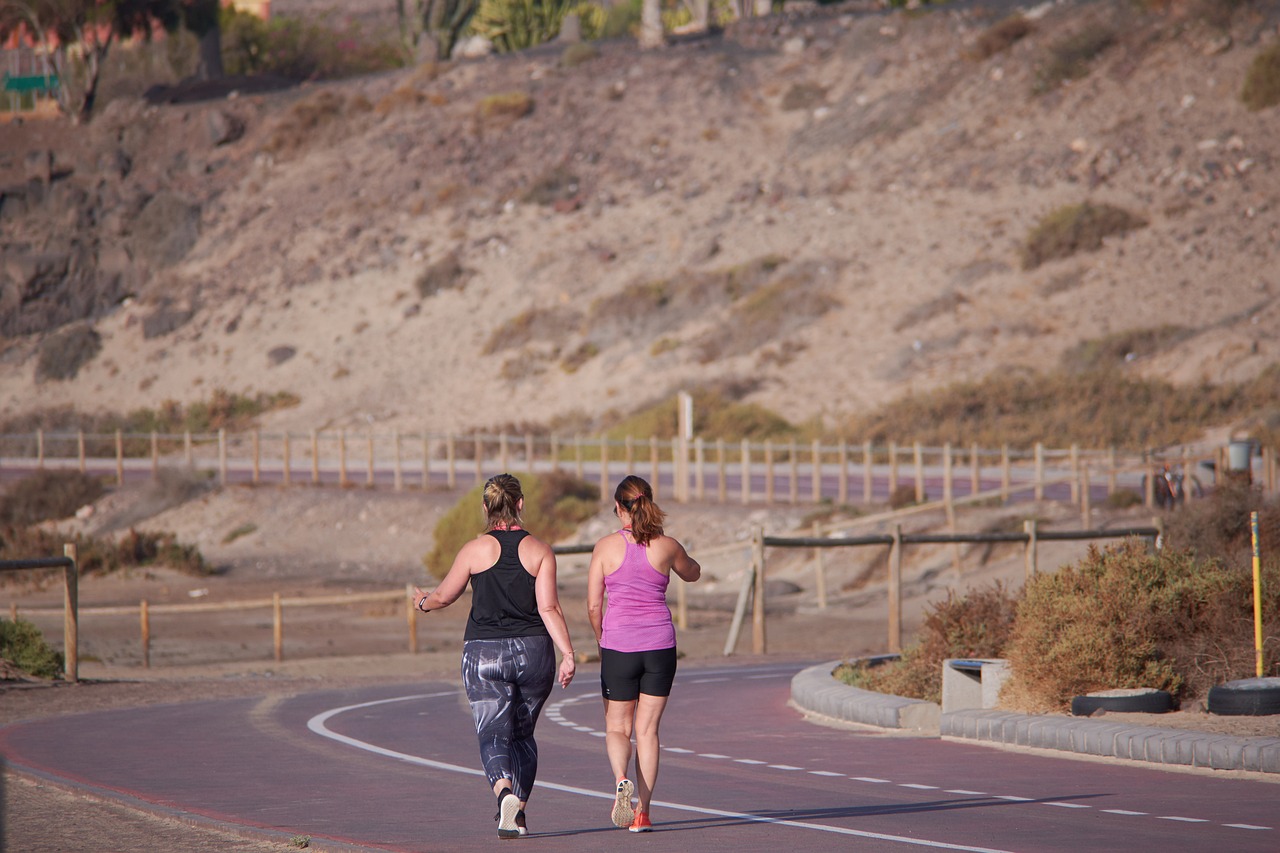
(342, 458)
(277, 611)
(554, 451)
(186, 448)
(746, 471)
(1029, 526)
(629, 453)
(315, 458)
(867, 473)
(654, 468)
(451, 457)
(503, 452)
(893, 468)
(155, 455)
(1149, 482)
(768, 471)
(529, 459)
(286, 466)
(1086, 505)
(39, 450)
(397, 477)
(682, 602)
(948, 502)
(71, 614)
(699, 472)
(1039, 471)
(895, 591)
(257, 456)
(793, 492)
(917, 454)
(975, 475)
(842, 489)
(144, 624)
(1006, 475)
(1111, 471)
(819, 570)
(411, 614)
(426, 462)
(759, 645)
(816, 491)
(1075, 473)
(577, 456)
(604, 468)
(120, 457)
(722, 472)
(80, 452)
(222, 455)
(479, 449)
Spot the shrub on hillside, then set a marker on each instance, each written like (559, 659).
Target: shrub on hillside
(302, 48)
(1118, 348)
(1070, 57)
(975, 625)
(22, 645)
(136, 549)
(1262, 81)
(512, 25)
(64, 352)
(1001, 36)
(505, 105)
(1075, 228)
(312, 116)
(554, 505)
(48, 494)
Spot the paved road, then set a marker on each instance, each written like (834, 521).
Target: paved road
(395, 769)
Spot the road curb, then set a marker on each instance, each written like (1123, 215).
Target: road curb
(815, 690)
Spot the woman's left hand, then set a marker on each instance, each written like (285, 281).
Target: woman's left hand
(418, 595)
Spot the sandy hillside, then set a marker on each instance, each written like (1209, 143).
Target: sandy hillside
(822, 210)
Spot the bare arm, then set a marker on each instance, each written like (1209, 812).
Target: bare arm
(454, 582)
(595, 591)
(684, 565)
(552, 616)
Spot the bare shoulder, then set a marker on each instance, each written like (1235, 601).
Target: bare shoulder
(533, 547)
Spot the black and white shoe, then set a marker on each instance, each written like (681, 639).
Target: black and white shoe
(508, 808)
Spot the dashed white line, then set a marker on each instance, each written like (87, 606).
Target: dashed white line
(1244, 826)
(822, 772)
(917, 787)
(968, 793)
(1067, 805)
(1124, 812)
(873, 780)
(748, 761)
(1182, 819)
(715, 755)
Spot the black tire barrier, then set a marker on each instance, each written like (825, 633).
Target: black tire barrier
(1247, 697)
(1134, 701)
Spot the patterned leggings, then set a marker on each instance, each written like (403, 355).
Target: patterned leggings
(507, 682)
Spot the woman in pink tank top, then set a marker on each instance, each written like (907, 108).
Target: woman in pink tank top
(627, 605)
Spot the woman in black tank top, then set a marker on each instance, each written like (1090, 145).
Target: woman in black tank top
(509, 647)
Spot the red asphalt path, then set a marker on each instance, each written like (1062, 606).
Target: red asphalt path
(397, 769)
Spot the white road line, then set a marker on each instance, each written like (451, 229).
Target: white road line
(1182, 819)
(317, 725)
(711, 755)
(751, 761)
(785, 767)
(1068, 805)
(1244, 826)
(969, 793)
(870, 779)
(820, 772)
(1124, 812)
(917, 787)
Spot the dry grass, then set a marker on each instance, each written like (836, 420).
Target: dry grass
(1075, 228)
(311, 118)
(1262, 82)
(1001, 36)
(1071, 58)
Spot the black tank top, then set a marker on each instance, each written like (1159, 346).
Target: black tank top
(503, 601)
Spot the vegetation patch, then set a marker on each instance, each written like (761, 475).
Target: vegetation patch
(505, 105)
(311, 118)
(803, 96)
(22, 644)
(241, 530)
(580, 356)
(554, 505)
(579, 53)
(717, 412)
(1119, 348)
(1001, 36)
(1071, 58)
(311, 48)
(445, 274)
(557, 184)
(532, 325)
(48, 495)
(767, 313)
(1262, 81)
(1075, 228)
(64, 352)
(136, 549)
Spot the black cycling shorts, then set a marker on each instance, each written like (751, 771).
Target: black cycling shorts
(625, 675)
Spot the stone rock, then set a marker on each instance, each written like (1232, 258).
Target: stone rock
(279, 355)
(476, 47)
(166, 319)
(224, 127)
(38, 166)
(166, 229)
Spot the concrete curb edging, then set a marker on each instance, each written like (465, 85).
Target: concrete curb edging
(815, 690)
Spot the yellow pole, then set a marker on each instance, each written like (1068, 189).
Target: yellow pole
(1257, 592)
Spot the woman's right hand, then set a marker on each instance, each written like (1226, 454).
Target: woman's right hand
(568, 666)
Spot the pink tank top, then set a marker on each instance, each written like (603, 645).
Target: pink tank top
(636, 616)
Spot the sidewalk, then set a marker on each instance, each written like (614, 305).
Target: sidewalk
(815, 690)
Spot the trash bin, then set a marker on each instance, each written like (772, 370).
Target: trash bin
(1240, 459)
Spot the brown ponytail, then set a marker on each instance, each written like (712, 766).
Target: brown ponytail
(502, 496)
(636, 497)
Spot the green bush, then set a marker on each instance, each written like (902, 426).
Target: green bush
(976, 625)
(512, 25)
(1075, 228)
(554, 505)
(1070, 57)
(1262, 81)
(621, 19)
(48, 494)
(303, 49)
(22, 645)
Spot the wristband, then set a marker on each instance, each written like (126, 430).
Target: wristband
(423, 601)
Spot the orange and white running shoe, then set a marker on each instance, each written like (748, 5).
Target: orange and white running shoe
(622, 811)
(641, 823)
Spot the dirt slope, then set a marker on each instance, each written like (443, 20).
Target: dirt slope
(826, 208)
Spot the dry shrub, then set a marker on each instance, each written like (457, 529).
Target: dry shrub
(1075, 228)
(22, 644)
(578, 53)
(976, 625)
(767, 313)
(1116, 349)
(903, 496)
(64, 352)
(1001, 36)
(717, 411)
(803, 96)
(556, 184)
(1070, 57)
(579, 356)
(48, 494)
(445, 274)
(135, 549)
(505, 105)
(310, 117)
(554, 505)
(1262, 81)
(402, 97)
(532, 325)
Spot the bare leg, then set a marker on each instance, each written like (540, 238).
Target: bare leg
(648, 715)
(619, 718)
